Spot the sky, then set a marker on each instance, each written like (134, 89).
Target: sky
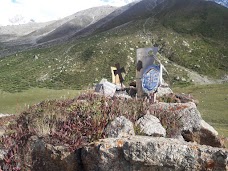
(12, 11)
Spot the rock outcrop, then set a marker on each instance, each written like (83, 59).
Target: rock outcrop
(140, 153)
(193, 127)
(207, 135)
(40, 156)
(187, 112)
(135, 153)
(122, 150)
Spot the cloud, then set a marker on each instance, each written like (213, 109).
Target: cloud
(46, 10)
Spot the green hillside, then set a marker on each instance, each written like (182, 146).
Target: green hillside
(206, 21)
(195, 38)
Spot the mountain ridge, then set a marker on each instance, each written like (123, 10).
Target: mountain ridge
(65, 29)
(176, 27)
(56, 28)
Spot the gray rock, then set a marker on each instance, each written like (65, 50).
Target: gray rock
(142, 153)
(98, 88)
(177, 78)
(106, 88)
(192, 128)
(43, 156)
(183, 79)
(163, 91)
(150, 125)
(207, 135)
(35, 57)
(4, 115)
(187, 112)
(120, 127)
(104, 155)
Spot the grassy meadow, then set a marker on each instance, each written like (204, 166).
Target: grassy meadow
(14, 103)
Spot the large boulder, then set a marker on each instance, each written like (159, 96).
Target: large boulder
(184, 114)
(39, 156)
(207, 135)
(141, 153)
(120, 127)
(192, 127)
(150, 125)
(104, 155)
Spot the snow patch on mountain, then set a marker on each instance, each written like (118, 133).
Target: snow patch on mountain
(221, 2)
(19, 19)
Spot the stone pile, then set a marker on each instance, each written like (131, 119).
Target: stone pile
(139, 146)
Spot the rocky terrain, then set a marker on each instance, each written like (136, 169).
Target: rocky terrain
(93, 132)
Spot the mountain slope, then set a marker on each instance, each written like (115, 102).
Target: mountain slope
(205, 20)
(94, 27)
(21, 29)
(175, 25)
(13, 31)
(140, 10)
(77, 22)
(197, 17)
(59, 30)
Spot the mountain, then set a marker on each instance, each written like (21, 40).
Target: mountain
(140, 10)
(222, 2)
(16, 38)
(12, 32)
(72, 24)
(192, 36)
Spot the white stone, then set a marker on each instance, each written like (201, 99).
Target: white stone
(120, 127)
(4, 115)
(109, 89)
(150, 125)
(185, 43)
